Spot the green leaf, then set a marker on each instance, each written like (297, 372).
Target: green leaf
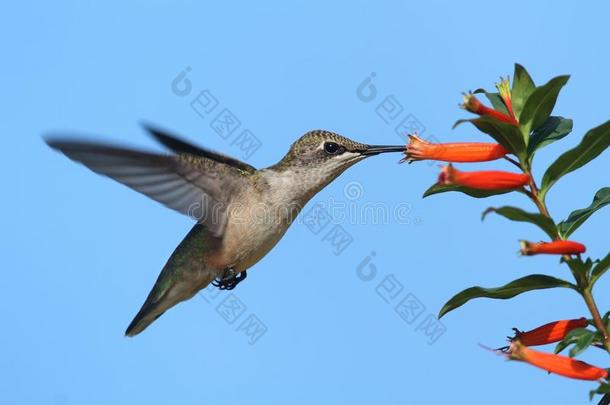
(517, 214)
(588, 265)
(473, 192)
(496, 102)
(540, 103)
(602, 389)
(582, 341)
(578, 217)
(592, 145)
(523, 86)
(578, 265)
(578, 337)
(553, 129)
(519, 286)
(561, 346)
(494, 98)
(579, 269)
(600, 268)
(505, 134)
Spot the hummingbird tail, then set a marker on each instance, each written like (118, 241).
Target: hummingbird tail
(184, 274)
(144, 317)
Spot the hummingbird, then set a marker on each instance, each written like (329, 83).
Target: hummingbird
(241, 212)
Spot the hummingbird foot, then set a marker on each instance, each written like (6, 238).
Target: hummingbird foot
(229, 279)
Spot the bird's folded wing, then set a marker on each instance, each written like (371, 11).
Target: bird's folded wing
(188, 184)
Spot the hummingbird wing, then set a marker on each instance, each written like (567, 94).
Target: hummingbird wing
(178, 145)
(192, 185)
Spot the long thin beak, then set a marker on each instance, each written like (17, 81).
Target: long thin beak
(377, 149)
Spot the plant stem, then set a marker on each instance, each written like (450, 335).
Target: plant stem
(582, 282)
(597, 319)
(513, 161)
(535, 197)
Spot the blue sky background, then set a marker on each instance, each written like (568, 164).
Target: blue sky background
(81, 252)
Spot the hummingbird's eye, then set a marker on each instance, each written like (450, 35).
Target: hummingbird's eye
(332, 148)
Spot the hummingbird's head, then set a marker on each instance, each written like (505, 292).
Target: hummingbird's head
(319, 156)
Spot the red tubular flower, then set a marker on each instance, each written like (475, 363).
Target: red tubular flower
(483, 180)
(504, 91)
(472, 104)
(557, 247)
(556, 364)
(418, 149)
(552, 332)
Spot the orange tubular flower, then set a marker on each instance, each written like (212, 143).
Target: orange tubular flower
(418, 149)
(484, 180)
(557, 247)
(556, 364)
(552, 332)
(472, 104)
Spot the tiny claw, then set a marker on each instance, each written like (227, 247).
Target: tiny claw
(229, 279)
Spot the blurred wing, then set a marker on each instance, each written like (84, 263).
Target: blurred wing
(178, 145)
(188, 184)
